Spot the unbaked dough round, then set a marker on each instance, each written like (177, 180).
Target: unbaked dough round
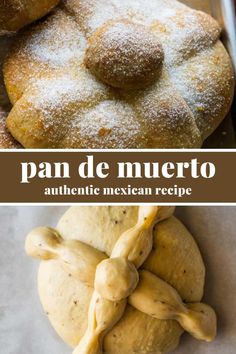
(175, 258)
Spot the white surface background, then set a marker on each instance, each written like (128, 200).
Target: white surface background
(24, 328)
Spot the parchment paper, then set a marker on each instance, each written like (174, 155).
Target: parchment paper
(25, 329)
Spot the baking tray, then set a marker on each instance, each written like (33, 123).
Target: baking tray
(224, 12)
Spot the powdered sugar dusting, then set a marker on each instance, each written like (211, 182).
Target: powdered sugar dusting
(54, 90)
(65, 94)
(57, 44)
(126, 55)
(91, 113)
(98, 12)
(105, 124)
(183, 37)
(166, 117)
(206, 88)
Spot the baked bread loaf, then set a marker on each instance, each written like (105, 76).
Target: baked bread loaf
(121, 280)
(118, 74)
(6, 139)
(15, 14)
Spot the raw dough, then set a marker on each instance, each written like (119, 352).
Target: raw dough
(174, 261)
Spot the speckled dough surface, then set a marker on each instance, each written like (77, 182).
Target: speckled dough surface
(57, 80)
(174, 258)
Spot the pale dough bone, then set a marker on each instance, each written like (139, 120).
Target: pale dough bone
(202, 326)
(134, 245)
(158, 299)
(46, 243)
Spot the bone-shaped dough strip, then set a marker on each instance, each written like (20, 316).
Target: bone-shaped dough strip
(132, 247)
(158, 299)
(103, 315)
(136, 243)
(80, 259)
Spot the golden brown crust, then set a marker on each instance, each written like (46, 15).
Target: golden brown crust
(59, 103)
(125, 55)
(15, 14)
(6, 139)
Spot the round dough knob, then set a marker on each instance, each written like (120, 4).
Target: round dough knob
(116, 279)
(125, 55)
